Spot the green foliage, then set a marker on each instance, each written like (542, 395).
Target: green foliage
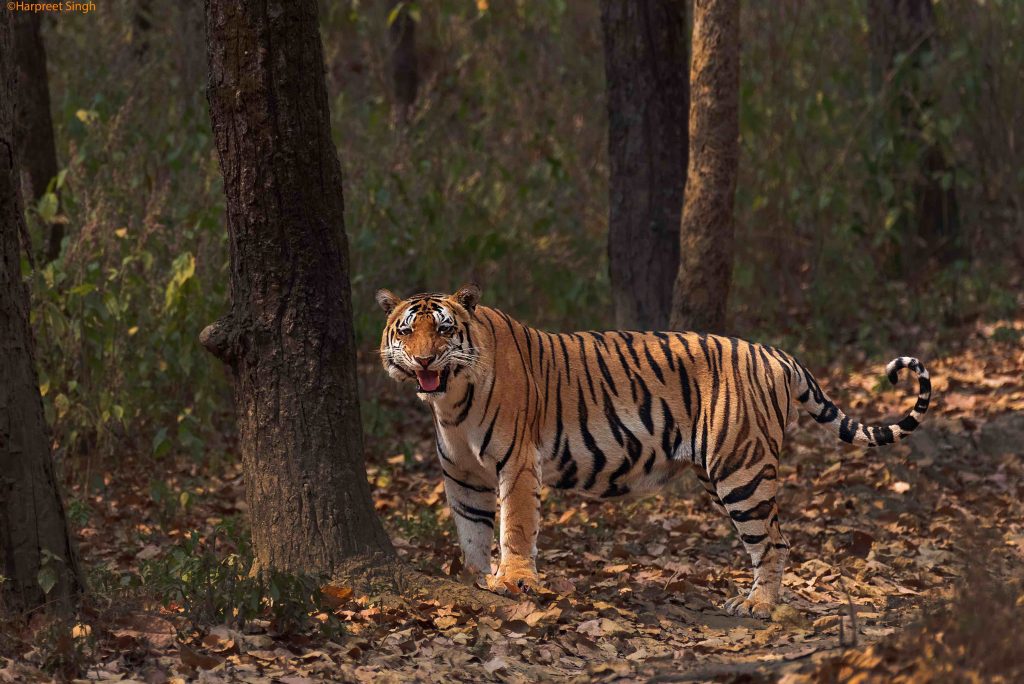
(64, 651)
(79, 512)
(211, 579)
(499, 175)
(832, 155)
(141, 270)
(1007, 335)
(110, 590)
(170, 504)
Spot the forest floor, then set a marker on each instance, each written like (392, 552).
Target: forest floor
(906, 563)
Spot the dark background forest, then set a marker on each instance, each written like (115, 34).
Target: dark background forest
(878, 211)
(501, 175)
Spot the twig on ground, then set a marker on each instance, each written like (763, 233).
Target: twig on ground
(852, 609)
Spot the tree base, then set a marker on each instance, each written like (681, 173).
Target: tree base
(391, 581)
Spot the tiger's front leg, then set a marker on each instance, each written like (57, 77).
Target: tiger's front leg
(472, 503)
(519, 483)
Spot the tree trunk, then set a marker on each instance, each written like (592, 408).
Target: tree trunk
(404, 65)
(706, 239)
(142, 22)
(647, 86)
(40, 565)
(907, 27)
(288, 339)
(34, 133)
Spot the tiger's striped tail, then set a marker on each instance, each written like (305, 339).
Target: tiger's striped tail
(823, 410)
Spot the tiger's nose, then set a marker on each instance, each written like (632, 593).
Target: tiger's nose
(425, 361)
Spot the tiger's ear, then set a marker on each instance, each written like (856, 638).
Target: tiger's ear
(387, 300)
(468, 296)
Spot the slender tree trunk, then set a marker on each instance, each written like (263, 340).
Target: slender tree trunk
(706, 239)
(34, 133)
(647, 86)
(142, 22)
(288, 339)
(40, 565)
(404, 64)
(907, 27)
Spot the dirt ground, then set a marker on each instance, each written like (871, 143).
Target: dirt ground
(881, 540)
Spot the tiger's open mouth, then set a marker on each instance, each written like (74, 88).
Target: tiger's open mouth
(432, 382)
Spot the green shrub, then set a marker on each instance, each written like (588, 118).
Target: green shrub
(211, 580)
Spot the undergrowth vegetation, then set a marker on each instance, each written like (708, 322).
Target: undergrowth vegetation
(211, 579)
(500, 176)
(205, 579)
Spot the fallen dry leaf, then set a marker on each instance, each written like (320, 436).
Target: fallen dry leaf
(495, 664)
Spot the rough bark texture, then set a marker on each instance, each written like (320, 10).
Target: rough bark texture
(404, 64)
(288, 338)
(907, 27)
(647, 86)
(33, 529)
(706, 238)
(34, 133)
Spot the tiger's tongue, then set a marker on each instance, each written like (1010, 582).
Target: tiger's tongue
(429, 380)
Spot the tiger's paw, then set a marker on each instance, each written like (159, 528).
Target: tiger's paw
(515, 576)
(750, 606)
(507, 587)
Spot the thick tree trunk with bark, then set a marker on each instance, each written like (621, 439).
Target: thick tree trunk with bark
(34, 133)
(706, 238)
(40, 565)
(288, 339)
(907, 27)
(647, 86)
(404, 64)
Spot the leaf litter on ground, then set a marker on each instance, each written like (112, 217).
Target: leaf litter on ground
(632, 589)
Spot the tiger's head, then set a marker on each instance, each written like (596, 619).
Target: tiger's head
(428, 338)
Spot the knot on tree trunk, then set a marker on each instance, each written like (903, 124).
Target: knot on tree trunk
(224, 339)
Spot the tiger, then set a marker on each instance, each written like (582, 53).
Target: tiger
(606, 414)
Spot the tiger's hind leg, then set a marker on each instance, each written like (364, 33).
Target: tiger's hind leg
(710, 489)
(749, 496)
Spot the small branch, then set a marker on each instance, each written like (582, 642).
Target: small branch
(224, 339)
(853, 618)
